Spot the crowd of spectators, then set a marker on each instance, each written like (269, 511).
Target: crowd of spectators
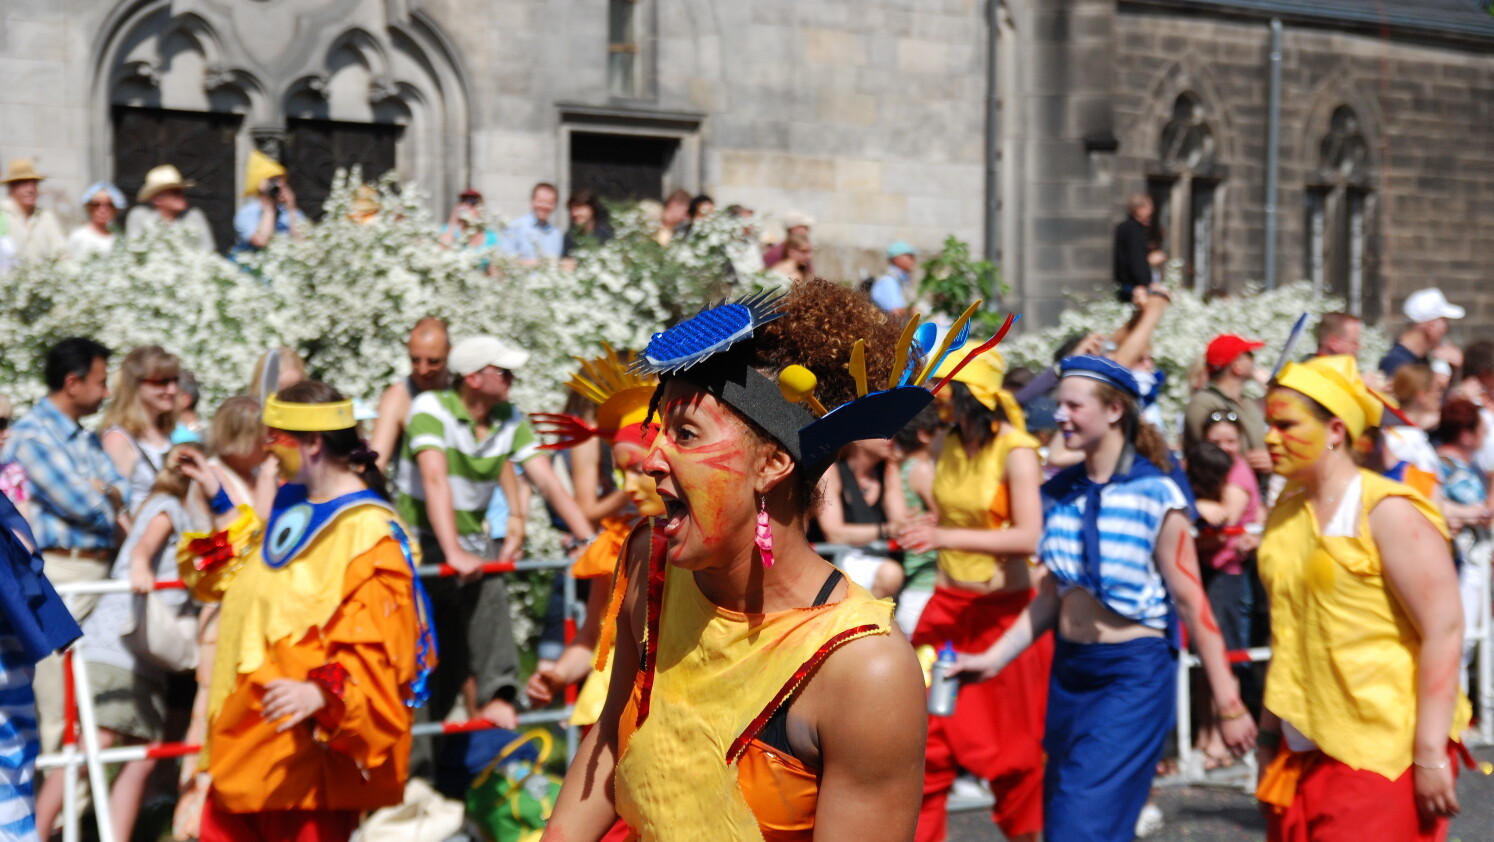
(107, 499)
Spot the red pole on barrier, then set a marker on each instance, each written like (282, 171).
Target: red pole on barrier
(69, 702)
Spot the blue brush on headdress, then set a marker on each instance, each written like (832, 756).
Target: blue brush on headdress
(786, 409)
(708, 332)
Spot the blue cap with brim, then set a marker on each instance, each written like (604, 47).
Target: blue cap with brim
(900, 248)
(1101, 369)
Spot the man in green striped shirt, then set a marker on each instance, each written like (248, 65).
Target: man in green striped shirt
(460, 445)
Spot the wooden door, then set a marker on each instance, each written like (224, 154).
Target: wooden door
(200, 144)
(619, 166)
(315, 149)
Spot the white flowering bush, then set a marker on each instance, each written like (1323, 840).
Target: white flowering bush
(1190, 323)
(154, 289)
(346, 295)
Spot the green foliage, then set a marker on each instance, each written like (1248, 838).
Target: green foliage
(953, 278)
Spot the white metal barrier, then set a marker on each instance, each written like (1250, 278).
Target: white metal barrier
(79, 721)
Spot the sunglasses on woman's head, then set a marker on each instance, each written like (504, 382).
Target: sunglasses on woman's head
(1224, 416)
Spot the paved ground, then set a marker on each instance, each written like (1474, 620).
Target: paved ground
(1210, 815)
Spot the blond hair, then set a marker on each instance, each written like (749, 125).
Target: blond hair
(236, 429)
(148, 362)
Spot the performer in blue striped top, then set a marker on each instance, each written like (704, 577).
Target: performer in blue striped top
(1115, 538)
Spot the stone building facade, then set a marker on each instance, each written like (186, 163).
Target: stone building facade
(1019, 126)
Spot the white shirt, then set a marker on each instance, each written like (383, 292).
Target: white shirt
(85, 241)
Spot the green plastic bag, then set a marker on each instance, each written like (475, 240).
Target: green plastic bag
(511, 799)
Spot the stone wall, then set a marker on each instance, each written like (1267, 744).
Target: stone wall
(869, 116)
(1426, 111)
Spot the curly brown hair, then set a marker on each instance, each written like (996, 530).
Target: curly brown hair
(822, 321)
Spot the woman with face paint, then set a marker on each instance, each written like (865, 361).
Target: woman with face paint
(324, 644)
(990, 516)
(1362, 703)
(756, 693)
(1122, 571)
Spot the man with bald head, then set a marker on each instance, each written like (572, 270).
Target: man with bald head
(428, 346)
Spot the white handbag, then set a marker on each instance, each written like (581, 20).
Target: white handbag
(161, 635)
(425, 816)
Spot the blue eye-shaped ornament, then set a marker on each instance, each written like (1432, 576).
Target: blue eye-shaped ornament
(286, 532)
(295, 522)
(708, 332)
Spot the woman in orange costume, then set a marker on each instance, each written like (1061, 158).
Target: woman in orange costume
(990, 517)
(1366, 627)
(756, 694)
(323, 644)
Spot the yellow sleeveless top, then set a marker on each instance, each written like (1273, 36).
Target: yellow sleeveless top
(972, 494)
(709, 680)
(1343, 650)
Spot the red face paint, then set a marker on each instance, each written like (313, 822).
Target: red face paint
(700, 461)
(1294, 436)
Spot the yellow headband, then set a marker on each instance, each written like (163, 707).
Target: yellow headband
(1334, 382)
(308, 417)
(984, 377)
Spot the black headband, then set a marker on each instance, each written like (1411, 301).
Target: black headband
(755, 396)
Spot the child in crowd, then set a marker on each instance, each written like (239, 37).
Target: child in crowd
(914, 446)
(130, 689)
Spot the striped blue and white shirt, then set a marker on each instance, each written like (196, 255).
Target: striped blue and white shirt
(1131, 515)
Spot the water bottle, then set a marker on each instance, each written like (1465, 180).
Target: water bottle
(943, 687)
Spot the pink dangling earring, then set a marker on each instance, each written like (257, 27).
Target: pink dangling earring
(763, 534)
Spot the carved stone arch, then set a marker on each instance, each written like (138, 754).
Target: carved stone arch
(1187, 75)
(1333, 94)
(262, 64)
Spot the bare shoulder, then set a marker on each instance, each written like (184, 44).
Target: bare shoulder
(880, 672)
(1397, 520)
(396, 398)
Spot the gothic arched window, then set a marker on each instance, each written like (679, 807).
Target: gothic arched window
(1184, 186)
(1338, 254)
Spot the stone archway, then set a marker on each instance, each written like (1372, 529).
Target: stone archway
(374, 66)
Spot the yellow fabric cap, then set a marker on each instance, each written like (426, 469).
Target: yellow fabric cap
(261, 167)
(308, 417)
(1335, 383)
(984, 377)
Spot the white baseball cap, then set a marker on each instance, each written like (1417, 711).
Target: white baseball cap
(1425, 305)
(478, 352)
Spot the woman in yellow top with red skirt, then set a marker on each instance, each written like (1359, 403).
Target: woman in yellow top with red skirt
(990, 517)
(324, 644)
(1363, 711)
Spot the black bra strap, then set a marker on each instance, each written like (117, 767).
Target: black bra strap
(828, 588)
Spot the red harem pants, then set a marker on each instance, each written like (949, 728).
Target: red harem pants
(1335, 803)
(219, 825)
(997, 728)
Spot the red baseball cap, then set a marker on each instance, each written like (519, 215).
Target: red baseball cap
(1226, 348)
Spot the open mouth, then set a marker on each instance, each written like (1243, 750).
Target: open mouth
(675, 513)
